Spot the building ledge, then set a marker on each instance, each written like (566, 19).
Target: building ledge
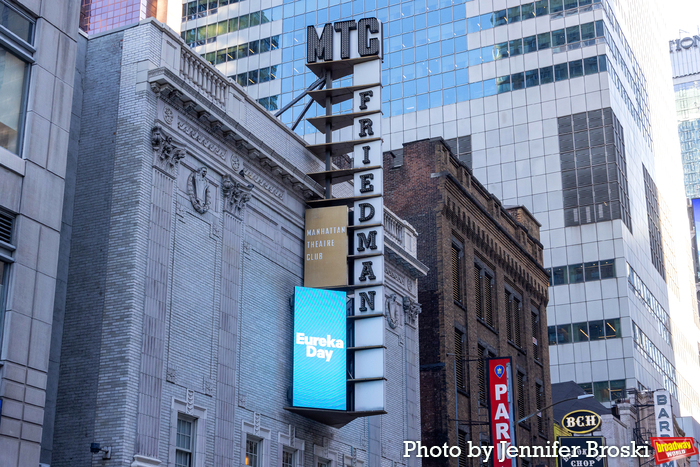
(401, 257)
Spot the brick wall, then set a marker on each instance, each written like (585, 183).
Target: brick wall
(442, 200)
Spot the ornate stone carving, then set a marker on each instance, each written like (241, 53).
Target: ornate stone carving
(263, 183)
(242, 399)
(235, 163)
(170, 374)
(163, 146)
(412, 309)
(198, 190)
(392, 306)
(168, 115)
(236, 194)
(199, 137)
(190, 402)
(256, 422)
(397, 277)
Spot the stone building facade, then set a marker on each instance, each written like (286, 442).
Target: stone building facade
(187, 245)
(484, 296)
(37, 56)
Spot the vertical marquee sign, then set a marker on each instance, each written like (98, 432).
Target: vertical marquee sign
(664, 418)
(501, 410)
(335, 51)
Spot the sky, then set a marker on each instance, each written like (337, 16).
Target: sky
(686, 17)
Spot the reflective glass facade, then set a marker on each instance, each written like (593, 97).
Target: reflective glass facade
(103, 15)
(688, 111)
(508, 79)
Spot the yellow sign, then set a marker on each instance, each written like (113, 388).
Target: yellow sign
(581, 421)
(326, 247)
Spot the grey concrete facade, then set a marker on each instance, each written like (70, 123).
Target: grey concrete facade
(187, 242)
(32, 179)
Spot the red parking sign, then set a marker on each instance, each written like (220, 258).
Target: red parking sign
(501, 410)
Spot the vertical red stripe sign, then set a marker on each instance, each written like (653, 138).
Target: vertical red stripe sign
(501, 410)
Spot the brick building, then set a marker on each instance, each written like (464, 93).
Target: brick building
(187, 245)
(484, 296)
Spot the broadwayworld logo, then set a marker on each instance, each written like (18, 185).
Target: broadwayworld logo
(312, 344)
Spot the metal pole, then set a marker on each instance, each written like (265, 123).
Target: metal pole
(329, 136)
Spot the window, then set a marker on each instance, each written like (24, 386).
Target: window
(513, 309)
(617, 389)
(544, 41)
(563, 334)
(558, 37)
(530, 44)
(573, 34)
(597, 330)
(456, 273)
(532, 78)
(536, 338)
(561, 72)
(575, 69)
(184, 447)
(517, 81)
(514, 14)
(6, 237)
(612, 328)
(462, 442)
(459, 359)
(483, 293)
(520, 382)
(580, 332)
(252, 452)
(287, 459)
(478, 297)
(542, 7)
(528, 11)
(575, 273)
(15, 57)
(546, 75)
(539, 400)
(481, 374)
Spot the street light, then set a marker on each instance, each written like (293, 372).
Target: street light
(582, 396)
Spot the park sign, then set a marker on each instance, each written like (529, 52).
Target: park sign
(501, 410)
(581, 421)
(334, 51)
(671, 449)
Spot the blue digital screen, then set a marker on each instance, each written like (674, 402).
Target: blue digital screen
(319, 349)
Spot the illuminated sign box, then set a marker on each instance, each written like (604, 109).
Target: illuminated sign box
(320, 362)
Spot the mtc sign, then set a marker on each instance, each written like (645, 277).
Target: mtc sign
(334, 51)
(581, 421)
(335, 41)
(501, 410)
